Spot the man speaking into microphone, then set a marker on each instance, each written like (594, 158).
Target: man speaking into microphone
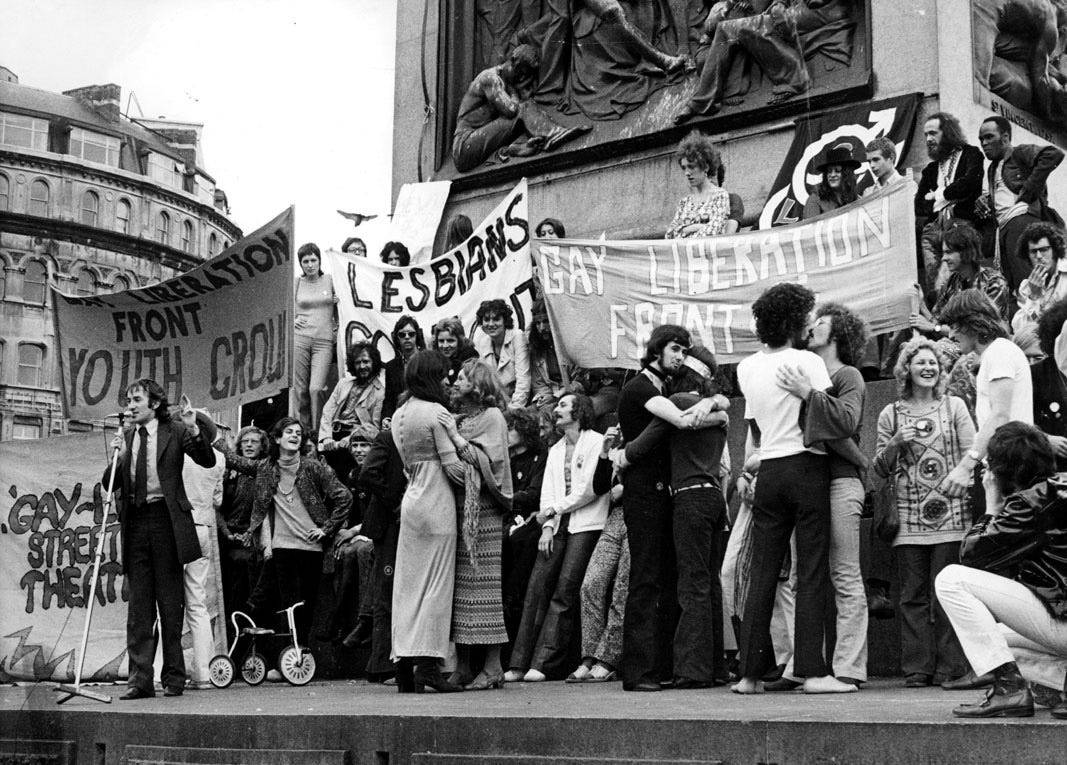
(158, 533)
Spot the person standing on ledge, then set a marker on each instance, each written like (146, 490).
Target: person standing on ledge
(158, 533)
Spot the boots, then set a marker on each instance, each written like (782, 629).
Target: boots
(405, 675)
(1009, 697)
(428, 673)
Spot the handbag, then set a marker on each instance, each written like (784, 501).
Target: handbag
(886, 517)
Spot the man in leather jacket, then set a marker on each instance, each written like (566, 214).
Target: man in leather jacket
(1008, 600)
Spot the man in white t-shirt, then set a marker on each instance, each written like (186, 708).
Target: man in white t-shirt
(792, 491)
(1004, 388)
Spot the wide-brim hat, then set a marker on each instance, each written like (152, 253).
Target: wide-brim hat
(838, 154)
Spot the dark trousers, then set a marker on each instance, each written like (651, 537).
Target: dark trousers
(289, 576)
(520, 555)
(549, 633)
(156, 581)
(240, 572)
(1014, 268)
(928, 644)
(651, 604)
(791, 492)
(698, 528)
(381, 634)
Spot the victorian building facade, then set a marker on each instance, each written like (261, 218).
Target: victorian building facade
(91, 202)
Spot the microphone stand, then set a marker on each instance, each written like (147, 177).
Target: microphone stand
(70, 691)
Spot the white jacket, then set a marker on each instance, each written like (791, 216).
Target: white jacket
(513, 366)
(588, 511)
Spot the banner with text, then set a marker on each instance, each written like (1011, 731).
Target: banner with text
(493, 263)
(53, 504)
(604, 298)
(220, 333)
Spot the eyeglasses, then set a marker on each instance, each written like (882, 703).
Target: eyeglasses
(409, 333)
(1040, 250)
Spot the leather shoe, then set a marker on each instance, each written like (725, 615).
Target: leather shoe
(172, 690)
(1060, 711)
(782, 684)
(997, 703)
(685, 684)
(133, 692)
(643, 686)
(969, 682)
(917, 681)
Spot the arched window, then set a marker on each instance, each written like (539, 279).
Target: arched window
(35, 282)
(90, 208)
(39, 197)
(5, 193)
(163, 228)
(123, 213)
(120, 284)
(187, 237)
(86, 285)
(31, 365)
(212, 245)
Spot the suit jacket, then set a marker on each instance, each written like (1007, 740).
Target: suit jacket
(173, 442)
(1026, 174)
(962, 192)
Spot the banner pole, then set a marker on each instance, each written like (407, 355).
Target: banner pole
(70, 691)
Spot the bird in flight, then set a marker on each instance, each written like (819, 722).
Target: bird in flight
(356, 218)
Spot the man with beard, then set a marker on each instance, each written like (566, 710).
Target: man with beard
(651, 607)
(1015, 193)
(407, 338)
(793, 492)
(948, 188)
(356, 402)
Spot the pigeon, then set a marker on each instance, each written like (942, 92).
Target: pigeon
(356, 218)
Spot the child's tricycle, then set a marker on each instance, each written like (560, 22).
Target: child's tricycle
(295, 662)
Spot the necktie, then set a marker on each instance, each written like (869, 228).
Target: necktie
(140, 476)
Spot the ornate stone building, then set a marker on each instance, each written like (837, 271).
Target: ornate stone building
(91, 202)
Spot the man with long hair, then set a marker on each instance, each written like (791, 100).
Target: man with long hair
(1003, 385)
(651, 609)
(792, 493)
(948, 188)
(407, 338)
(1007, 600)
(158, 533)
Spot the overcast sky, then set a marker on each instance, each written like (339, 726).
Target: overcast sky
(296, 97)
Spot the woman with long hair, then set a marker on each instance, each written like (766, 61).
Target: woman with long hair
(705, 211)
(837, 186)
(921, 437)
(424, 575)
(313, 339)
(448, 338)
(572, 516)
(298, 506)
(480, 437)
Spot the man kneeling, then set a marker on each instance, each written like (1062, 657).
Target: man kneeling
(1008, 601)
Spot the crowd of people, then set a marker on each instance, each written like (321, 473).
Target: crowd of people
(487, 513)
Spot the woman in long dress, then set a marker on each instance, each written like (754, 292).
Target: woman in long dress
(480, 436)
(426, 550)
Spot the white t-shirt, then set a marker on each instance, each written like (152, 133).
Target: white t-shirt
(776, 410)
(1003, 359)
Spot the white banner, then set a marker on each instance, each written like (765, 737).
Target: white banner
(493, 263)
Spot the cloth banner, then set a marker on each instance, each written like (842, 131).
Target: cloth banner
(857, 125)
(605, 297)
(220, 333)
(493, 263)
(49, 527)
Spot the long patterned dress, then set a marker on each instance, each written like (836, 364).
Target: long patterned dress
(426, 550)
(478, 608)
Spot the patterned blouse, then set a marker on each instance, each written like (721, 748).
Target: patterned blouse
(987, 280)
(917, 468)
(711, 214)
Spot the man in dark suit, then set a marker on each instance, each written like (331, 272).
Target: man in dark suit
(1015, 192)
(158, 534)
(948, 188)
